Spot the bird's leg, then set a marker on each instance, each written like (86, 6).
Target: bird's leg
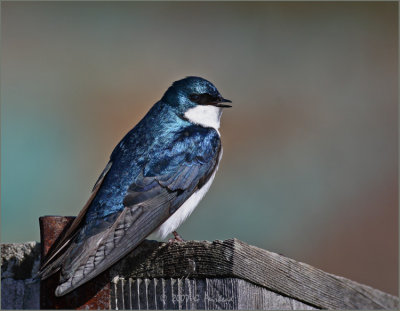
(177, 238)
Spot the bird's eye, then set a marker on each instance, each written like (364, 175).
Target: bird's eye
(194, 97)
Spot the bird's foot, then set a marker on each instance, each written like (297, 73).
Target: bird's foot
(177, 238)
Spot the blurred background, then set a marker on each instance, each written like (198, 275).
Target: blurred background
(310, 147)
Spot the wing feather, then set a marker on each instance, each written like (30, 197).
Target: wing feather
(51, 264)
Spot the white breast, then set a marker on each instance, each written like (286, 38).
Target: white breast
(208, 116)
(177, 218)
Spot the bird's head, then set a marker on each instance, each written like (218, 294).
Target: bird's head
(196, 100)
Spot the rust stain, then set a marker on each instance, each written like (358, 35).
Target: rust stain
(51, 228)
(93, 295)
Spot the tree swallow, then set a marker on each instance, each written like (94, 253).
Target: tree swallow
(155, 178)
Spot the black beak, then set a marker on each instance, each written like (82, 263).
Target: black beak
(222, 100)
(207, 99)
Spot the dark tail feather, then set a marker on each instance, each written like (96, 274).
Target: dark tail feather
(52, 267)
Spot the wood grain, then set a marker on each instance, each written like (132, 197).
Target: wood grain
(235, 259)
(197, 294)
(201, 275)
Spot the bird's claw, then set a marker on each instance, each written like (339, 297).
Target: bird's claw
(177, 238)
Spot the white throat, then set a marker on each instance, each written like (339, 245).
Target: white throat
(208, 116)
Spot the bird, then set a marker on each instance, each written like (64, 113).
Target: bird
(156, 176)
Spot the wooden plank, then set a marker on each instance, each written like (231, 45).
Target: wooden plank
(197, 294)
(233, 258)
(253, 297)
(19, 264)
(156, 272)
(304, 282)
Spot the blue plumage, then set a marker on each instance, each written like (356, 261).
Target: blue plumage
(161, 163)
(189, 145)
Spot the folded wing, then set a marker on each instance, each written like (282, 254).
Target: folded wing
(169, 178)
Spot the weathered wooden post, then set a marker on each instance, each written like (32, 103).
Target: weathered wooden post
(197, 275)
